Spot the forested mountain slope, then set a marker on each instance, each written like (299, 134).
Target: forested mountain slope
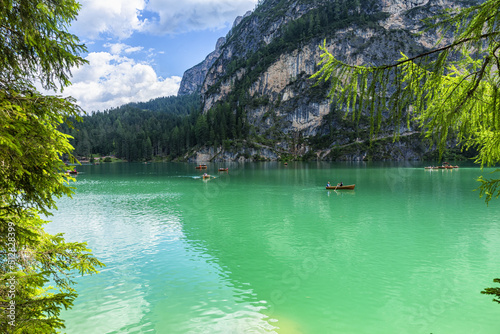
(138, 131)
(257, 100)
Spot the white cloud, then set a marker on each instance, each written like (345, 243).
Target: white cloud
(121, 18)
(118, 18)
(118, 48)
(111, 80)
(132, 49)
(188, 15)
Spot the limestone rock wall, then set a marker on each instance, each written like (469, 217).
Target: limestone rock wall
(290, 107)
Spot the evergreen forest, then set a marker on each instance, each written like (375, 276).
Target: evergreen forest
(165, 127)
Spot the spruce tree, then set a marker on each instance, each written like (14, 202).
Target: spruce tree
(34, 43)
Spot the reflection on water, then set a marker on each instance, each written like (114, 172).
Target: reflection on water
(265, 248)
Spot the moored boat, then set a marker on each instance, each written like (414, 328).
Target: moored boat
(201, 167)
(223, 169)
(441, 167)
(346, 187)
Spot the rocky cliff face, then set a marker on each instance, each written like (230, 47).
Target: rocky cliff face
(192, 80)
(269, 55)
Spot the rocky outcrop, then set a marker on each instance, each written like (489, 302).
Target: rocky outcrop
(240, 18)
(193, 78)
(220, 154)
(409, 148)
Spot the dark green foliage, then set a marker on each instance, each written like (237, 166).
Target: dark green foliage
(493, 291)
(32, 35)
(137, 131)
(163, 127)
(34, 43)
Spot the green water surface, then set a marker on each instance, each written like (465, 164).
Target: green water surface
(265, 248)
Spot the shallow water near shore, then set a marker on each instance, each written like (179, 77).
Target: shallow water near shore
(264, 248)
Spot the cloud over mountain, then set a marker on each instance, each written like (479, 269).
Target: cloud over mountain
(122, 18)
(113, 80)
(131, 41)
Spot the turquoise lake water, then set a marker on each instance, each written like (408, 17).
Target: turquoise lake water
(265, 248)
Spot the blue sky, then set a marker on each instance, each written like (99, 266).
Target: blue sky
(139, 49)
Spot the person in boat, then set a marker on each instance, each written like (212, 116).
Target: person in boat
(340, 184)
(328, 184)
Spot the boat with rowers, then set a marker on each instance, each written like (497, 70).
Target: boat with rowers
(341, 187)
(201, 167)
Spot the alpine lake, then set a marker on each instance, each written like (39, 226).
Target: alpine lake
(265, 248)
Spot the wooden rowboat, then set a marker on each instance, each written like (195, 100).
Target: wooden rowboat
(206, 176)
(347, 187)
(223, 169)
(201, 167)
